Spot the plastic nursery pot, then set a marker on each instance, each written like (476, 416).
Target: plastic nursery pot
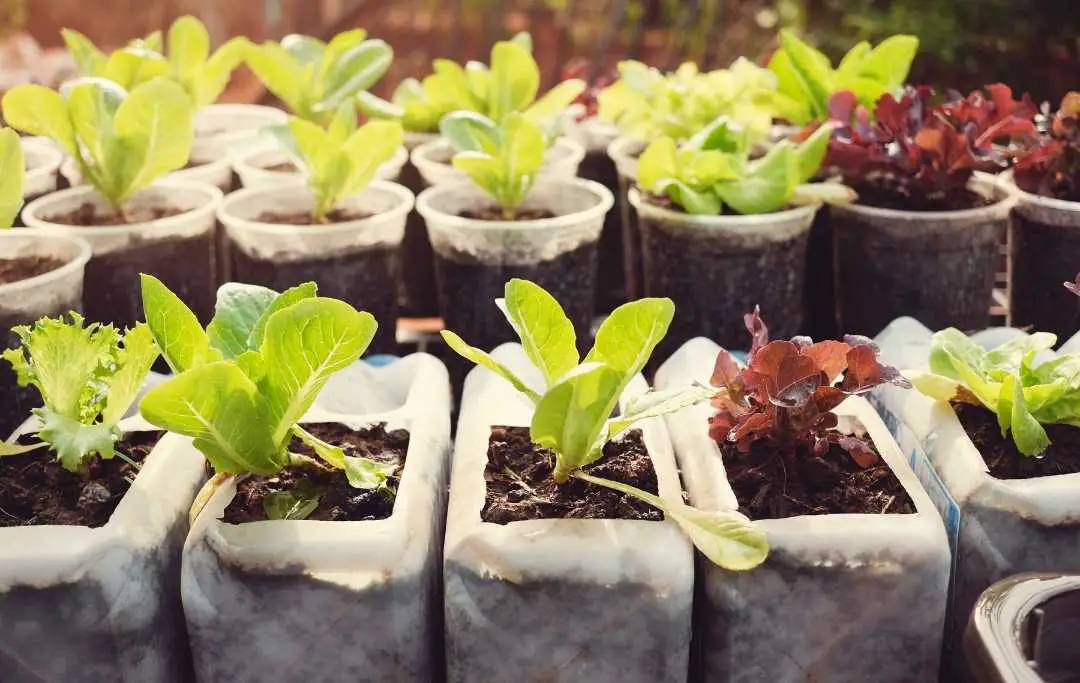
(936, 266)
(829, 579)
(417, 292)
(624, 152)
(474, 258)
(717, 268)
(212, 167)
(377, 582)
(232, 128)
(1023, 630)
(354, 259)
(43, 276)
(1044, 243)
(43, 160)
(599, 167)
(178, 249)
(1000, 527)
(559, 600)
(269, 166)
(106, 598)
(432, 160)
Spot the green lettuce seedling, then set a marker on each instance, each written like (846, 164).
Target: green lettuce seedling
(12, 176)
(202, 74)
(502, 159)
(510, 84)
(313, 79)
(134, 64)
(122, 141)
(713, 170)
(342, 160)
(243, 383)
(1024, 395)
(573, 414)
(807, 79)
(87, 375)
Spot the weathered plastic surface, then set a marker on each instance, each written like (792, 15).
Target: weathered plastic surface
(559, 600)
(233, 127)
(332, 601)
(842, 598)
(103, 605)
(42, 165)
(1004, 526)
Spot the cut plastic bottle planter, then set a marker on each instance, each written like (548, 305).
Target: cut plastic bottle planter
(318, 601)
(843, 598)
(102, 605)
(1000, 526)
(559, 600)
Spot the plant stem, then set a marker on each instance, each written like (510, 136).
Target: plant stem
(125, 458)
(644, 496)
(509, 213)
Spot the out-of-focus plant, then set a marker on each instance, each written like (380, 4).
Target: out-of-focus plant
(1052, 168)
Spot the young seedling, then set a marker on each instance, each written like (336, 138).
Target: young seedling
(12, 176)
(1024, 393)
(785, 394)
(243, 384)
(314, 78)
(339, 161)
(88, 376)
(573, 413)
(807, 80)
(122, 141)
(503, 160)
(714, 171)
(132, 65)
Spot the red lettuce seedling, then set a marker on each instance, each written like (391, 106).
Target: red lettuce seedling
(1074, 286)
(785, 394)
(918, 155)
(1052, 168)
(578, 69)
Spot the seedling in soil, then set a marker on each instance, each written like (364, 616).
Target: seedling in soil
(12, 176)
(339, 161)
(243, 383)
(713, 172)
(573, 413)
(785, 394)
(1052, 167)
(807, 80)
(122, 141)
(1008, 381)
(132, 65)
(314, 78)
(88, 376)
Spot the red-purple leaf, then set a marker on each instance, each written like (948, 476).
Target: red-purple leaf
(759, 333)
(830, 356)
(865, 372)
(1074, 286)
(861, 452)
(726, 370)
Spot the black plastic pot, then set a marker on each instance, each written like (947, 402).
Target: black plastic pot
(418, 294)
(624, 152)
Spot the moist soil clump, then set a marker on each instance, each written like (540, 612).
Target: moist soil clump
(494, 213)
(86, 215)
(1044, 256)
(520, 485)
(1001, 455)
(35, 490)
(770, 486)
(304, 217)
(339, 502)
(26, 267)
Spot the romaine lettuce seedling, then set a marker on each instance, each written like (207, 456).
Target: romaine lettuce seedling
(12, 176)
(1024, 394)
(342, 160)
(87, 376)
(132, 65)
(122, 141)
(503, 160)
(314, 78)
(573, 413)
(243, 383)
(807, 79)
(202, 75)
(713, 170)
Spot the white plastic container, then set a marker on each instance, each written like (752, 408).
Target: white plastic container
(322, 601)
(232, 128)
(43, 161)
(559, 600)
(843, 598)
(209, 167)
(177, 249)
(624, 152)
(255, 167)
(102, 605)
(432, 159)
(355, 260)
(1000, 527)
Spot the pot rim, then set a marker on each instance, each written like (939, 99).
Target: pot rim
(645, 209)
(1064, 205)
(83, 252)
(605, 200)
(574, 151)
(246, 160)
(984, 184)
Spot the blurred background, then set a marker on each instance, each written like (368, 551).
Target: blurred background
(1033, 45)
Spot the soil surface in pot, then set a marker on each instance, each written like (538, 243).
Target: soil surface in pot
(35, 490)
(304, 217)
(26, 267)
(879, 197)
(1044, 256)
(768, 486)
(88, 216)
(494, 213)
(1001, 455)
(520, 485)
(338, 501)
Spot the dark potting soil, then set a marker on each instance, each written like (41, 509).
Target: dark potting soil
(363, 278)
(87, 216)
(494, 213)
(1001, 455)
(520, 485)
(35, 490)
(26, 267)
(770, 486)
(897, 198)
(714, 279)
(339, 502)
(304, 218)
(610, 278)
(417, 289)
(942, 279)
(1044, 256)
